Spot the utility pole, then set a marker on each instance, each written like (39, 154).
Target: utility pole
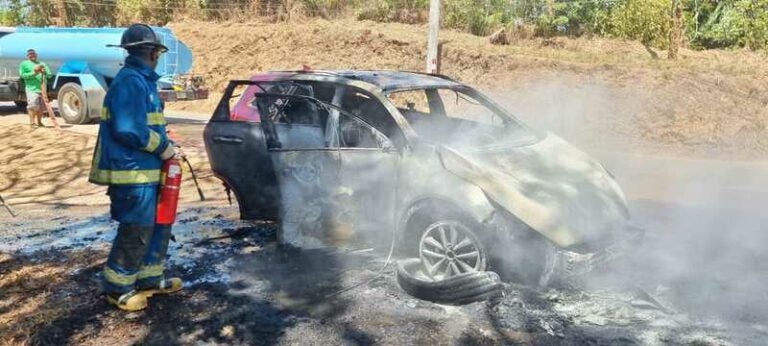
(433, 56)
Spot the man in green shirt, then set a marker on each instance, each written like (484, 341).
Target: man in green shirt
(31, 72)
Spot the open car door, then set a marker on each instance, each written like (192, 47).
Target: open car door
(237, 150)
(326, 161)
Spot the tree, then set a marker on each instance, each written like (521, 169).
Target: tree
(676, 30)
(14, 14)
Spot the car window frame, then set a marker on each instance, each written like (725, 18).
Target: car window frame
(500, 111)
(268, 122)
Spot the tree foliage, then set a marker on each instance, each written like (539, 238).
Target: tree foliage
(708, 23)
(647, 21)
(728, 23)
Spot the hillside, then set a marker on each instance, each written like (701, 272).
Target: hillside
(598, 93)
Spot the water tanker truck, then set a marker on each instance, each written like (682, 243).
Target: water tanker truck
(83, 67)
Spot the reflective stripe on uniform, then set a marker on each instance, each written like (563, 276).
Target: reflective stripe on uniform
(151, 271)
(108, 177)
(155, 119)
(118, 279)
(153, 143)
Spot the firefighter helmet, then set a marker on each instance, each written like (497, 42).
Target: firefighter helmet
(140, 36)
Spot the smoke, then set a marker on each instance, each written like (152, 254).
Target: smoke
(704, 252)
(705, 219)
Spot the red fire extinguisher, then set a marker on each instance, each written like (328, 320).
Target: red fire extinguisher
(170, 184)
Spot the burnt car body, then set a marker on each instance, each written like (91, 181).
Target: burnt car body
(340, 157)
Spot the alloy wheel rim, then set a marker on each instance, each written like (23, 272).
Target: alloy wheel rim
(448, 248)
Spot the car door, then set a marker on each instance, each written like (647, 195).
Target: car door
(237, 151)
(336, 178)
(307, 169)
(368, 172)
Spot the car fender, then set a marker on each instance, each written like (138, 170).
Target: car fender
(424, 181)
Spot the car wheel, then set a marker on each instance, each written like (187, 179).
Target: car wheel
(517, 254)
(73, 104)
(449, 248)
(21, 105)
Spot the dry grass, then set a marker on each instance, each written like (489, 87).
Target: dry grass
(51, 168)
(46, 166)
(237, 49)
(707, 103)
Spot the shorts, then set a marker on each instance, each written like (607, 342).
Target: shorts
(34, 101)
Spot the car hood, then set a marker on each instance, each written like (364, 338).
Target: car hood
(550, 185)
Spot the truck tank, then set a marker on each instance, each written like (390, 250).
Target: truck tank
(79, 57)
(57, 46)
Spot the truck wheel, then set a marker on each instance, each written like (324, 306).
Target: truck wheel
(21, 105)
(73, 104)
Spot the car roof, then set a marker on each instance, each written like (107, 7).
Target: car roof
(385, 80)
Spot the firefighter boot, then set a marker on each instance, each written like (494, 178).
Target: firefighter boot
(151, 277)
(165, 286)
(123, 264)
(130, 302)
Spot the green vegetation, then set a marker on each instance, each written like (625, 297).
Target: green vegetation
(708, 23)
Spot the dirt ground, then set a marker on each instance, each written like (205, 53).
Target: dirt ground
(687, 141)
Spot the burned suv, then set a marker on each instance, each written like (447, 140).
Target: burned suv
(346, 157)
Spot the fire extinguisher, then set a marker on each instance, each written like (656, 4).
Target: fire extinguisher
(170, 185)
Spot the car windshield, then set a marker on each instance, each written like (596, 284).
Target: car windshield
(460, 118)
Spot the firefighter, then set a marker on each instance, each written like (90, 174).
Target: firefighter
(132, 145)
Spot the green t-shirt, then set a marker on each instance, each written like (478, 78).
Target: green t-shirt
(31, 79)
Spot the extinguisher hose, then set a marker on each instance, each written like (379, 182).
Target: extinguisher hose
(194, 178)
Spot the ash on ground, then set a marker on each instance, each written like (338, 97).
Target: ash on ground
(244, 288)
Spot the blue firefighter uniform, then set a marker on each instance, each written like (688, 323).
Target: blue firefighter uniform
(128, 156)
(132, 129)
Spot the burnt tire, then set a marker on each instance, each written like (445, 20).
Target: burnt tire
(73, 104)
(457, 290)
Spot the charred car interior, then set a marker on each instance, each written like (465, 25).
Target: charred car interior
(420, 161)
